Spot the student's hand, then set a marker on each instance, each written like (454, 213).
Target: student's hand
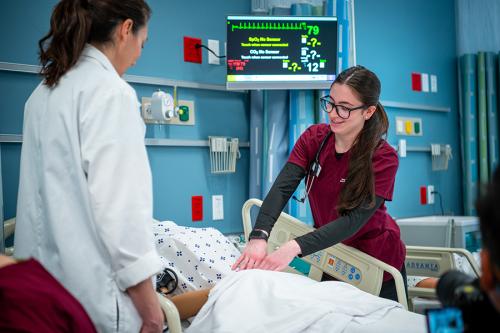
(154, 326)
(279, 259)
(254, 253)
(147, 305)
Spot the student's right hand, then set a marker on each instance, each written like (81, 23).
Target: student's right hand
(252, 256)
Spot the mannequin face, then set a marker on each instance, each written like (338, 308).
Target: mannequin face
(343, 96)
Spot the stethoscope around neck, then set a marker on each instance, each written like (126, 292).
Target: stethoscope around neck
(314, 170)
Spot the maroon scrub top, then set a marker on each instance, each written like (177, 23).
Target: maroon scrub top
(380, 236)
(32, 300)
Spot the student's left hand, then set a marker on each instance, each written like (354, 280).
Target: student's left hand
(279, 259)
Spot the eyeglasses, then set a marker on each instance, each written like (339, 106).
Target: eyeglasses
(342, 111)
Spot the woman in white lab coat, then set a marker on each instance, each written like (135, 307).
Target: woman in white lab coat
(85, 194)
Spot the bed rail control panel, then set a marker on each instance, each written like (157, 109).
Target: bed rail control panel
(342, 262)
(349, 272)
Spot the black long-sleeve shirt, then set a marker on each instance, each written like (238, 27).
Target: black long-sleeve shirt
(330, 234)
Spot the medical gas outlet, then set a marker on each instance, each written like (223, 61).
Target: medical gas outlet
(161, 109)
(409, 126)
(162, 106)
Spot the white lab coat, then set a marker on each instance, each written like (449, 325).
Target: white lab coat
(85, 193)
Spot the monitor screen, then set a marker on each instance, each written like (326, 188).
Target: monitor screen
(272, 52)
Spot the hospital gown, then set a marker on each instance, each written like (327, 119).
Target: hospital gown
(201, 257)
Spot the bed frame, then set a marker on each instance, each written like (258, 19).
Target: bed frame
(342, 262)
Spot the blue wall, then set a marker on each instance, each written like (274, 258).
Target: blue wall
(395, 38)
(178, 172)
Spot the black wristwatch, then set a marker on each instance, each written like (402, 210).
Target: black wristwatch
(258, 234)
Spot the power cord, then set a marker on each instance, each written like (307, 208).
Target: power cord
(206, 47)
(440, 201)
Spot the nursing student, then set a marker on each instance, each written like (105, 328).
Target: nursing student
(85, 194)
(350, 171)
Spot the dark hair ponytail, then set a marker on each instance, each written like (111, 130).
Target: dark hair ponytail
(69, 30)
(360, 189)
(77, 22)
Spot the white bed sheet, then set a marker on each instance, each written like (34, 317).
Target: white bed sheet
(396, 320)
(264, 301)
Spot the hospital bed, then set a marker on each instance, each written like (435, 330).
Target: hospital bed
(343, 263)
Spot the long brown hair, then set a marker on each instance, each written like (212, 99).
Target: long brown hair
(77, 22)
(360, 187)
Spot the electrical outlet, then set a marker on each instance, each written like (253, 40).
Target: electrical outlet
(434, 84)
(430, 194)
(402, 147)
(191, 52)
(214, 46)
(217, 207)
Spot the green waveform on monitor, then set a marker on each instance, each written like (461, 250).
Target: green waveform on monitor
(311, 29)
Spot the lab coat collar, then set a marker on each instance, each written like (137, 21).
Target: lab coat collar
(91, 51)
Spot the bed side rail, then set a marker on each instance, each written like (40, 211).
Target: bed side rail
(8, 229)
(343, 262)
(171, 314)
(433, 262)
